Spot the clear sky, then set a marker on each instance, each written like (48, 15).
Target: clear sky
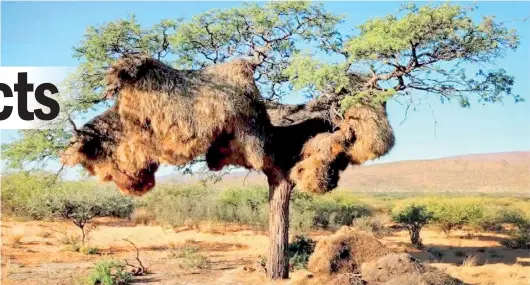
(43, 33)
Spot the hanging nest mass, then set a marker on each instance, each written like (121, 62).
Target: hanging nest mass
(168, 116)
(364, 134)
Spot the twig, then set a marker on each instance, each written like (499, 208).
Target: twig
(140, 269)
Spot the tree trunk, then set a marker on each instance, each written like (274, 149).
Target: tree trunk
(279, 195)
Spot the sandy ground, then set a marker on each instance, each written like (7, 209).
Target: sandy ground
(232, 251)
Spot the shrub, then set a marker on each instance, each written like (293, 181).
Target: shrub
(108, 272)
(189, 257)
(299, 251)
(87, 250)
(302, 211)
(448, 213)
(327, 211)
(520, 236)
(183, 251)
(248, 206)
(414, 217)
(142, 216)
(338, 209)
(370, 225)
(173, 205)
(22, 192)
(41, 196)
(194, 261)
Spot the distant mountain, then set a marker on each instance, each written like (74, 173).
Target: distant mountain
(488, 173)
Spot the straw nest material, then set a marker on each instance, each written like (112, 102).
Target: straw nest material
(169, 116)
(399, 269)
(364, 134)
(163, 115)
(353, 257)
(104, 150)
(188, 111)
(339, 279)
(344, 252)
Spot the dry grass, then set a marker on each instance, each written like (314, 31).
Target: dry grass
(142, 216)
(470, 260)
(15, 240)
(229, 253)
(44, 233)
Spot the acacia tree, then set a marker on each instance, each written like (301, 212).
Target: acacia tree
(419, 49)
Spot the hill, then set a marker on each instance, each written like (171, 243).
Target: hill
(507, 172)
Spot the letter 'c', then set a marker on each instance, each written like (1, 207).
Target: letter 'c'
(6, 112)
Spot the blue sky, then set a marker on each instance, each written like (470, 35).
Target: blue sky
(43, 33)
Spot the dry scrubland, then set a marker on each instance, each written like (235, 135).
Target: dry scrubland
(199, 235)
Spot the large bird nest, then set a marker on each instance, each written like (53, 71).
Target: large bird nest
(364, 134)
(164, 115)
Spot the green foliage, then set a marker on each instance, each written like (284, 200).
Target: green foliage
(248, 206)
(174, 206)
(22, 193)
(419, 49)
(370, 225)
(414, 217)
(87, 250)
(189, 257)
(305, 72)
(299, 251)
(33, 146)
(270, 33)
(326, 211)
(373, 97)
(109, 272)
(479, 213)
(184, 251)
(520, 236)
(446, 29)
(41, 195)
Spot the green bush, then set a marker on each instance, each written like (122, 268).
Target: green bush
(189, 257)
(299, 251)
(520, 236)
(174, 206)
(248, 206)
(478, 213)
(370, 225)
(23, 194)
(40, 196)
(109, 272)
(413, 217)
(329, 211)
(87, 250)
(302, 212)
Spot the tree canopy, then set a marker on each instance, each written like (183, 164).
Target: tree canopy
(418, 49)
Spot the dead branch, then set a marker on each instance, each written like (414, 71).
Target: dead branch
(139, 269)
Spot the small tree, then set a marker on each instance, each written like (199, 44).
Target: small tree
(414, 217)
(520, 236)
(80, 203)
